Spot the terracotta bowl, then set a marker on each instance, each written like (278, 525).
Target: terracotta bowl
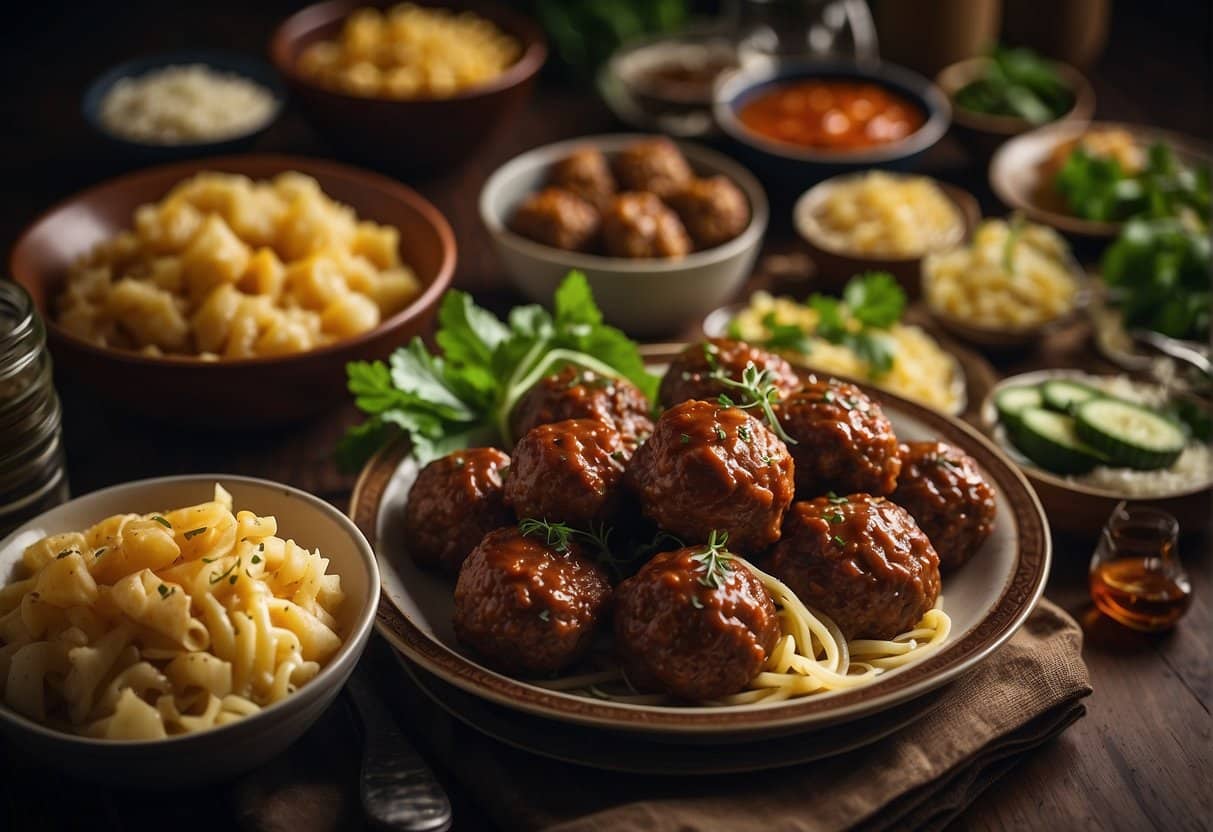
(239, 392)
(1019, 176)
(412, 134)
(982, 133)
(835, 266)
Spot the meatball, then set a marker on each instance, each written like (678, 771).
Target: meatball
(525, 606)
(689, 635)
(568, 472)
(455, 501)
(557, 218)
(714, 210)
(574, 393)
(696, 372)
(641, 225)
(844, 443)
(655, 165)
(861, 560)
(709, 467)
(944, 491)
(585, 172)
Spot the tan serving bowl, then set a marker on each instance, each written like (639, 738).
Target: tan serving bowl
(835, 265)
(983, 132)
(235, 393)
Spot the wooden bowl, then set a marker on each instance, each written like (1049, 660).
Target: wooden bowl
(242, 392)
(407, 134)
(983, 133)
(1077, 508)
(836, 266)
(1019, 179)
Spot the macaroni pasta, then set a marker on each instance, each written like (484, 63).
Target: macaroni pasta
(145, 626)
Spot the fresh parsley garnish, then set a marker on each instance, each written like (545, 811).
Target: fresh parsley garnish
(165, 591)
(162, 521)
(465, 395)
(195, 532)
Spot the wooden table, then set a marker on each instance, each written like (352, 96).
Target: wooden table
(1139, 760)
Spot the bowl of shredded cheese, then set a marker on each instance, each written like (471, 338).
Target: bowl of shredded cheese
(881, 220)
(1014, 281)
(183, 104)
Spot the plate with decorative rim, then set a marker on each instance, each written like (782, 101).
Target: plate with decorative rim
(988, 599)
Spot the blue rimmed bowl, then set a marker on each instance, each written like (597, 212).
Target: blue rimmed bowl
(234, 63)
(795, 167)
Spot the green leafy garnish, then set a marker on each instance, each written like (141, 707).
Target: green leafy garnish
(195, 532)
(162, 521)
(465, 395)
(561, 537)
(1160, 273)
(1017, 83)
(758, 389)
(870, 302)
(1096, 187)
(714, 561)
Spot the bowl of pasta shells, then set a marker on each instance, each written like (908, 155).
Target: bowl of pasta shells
(235, 289)
(205, 617)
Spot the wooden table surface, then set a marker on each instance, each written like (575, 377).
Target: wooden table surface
(1139, 760)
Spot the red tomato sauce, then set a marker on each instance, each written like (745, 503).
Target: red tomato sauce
(834, 115)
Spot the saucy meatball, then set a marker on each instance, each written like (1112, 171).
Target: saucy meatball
(455, 501)
(574, 393)
(641, 225)
(711, 467)
(655, 165)
(691, 635)
(585, 172)
(861, 560)
(944, 491)
(525, 606)
(557, 218)
(844, 443)
(714, 210)
(696, 372)
(567, 472)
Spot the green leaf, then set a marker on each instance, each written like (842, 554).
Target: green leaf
(467, 333)
(875, 299)
(831, 322)
(876, 350)
(419, 374)
(360, 443)
(574, 302)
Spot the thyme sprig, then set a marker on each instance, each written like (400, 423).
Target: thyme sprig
(714, 561)
(759, 389)
(562, 536)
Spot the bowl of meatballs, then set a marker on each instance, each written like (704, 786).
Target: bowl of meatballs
(641, 216)
(758, 550)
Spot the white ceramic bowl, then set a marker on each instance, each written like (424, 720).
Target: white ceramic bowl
(641, 297)
(223, 752)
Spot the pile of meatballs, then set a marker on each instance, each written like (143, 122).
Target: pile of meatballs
(648, 204)
(858, 525)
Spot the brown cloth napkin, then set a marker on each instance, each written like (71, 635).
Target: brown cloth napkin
(921, 777)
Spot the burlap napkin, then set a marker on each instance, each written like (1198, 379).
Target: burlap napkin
(921, 777)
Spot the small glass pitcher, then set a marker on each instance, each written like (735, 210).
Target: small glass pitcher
(1136, 577)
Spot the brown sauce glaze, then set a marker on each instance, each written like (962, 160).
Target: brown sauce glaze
(567, 472)
(574, 393)
(693, 374)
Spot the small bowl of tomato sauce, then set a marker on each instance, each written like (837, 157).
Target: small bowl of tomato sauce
(804, 122)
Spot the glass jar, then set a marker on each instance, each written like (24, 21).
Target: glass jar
(32, 474)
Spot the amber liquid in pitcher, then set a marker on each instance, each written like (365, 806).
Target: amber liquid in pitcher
(1137, 588)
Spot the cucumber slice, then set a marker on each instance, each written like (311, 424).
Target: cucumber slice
(1011, 401)
(1050, 440)
(1130, 435)
(1063, 396)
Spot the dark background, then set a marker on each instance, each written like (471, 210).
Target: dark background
(1139, 759)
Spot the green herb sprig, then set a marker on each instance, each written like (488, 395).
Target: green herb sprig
(714, 561)
(758, 389)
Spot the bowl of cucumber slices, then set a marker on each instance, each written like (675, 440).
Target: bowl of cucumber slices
(1088, 442)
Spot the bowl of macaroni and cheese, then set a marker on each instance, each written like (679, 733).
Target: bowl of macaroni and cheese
(408, 86)
(881, 221)
(178, 631)
(232, 292)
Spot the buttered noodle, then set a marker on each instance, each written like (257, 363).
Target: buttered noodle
(812, 656)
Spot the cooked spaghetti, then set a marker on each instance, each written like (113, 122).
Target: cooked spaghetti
(812, 656)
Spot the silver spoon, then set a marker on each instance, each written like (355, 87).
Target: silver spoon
(1175, 348)
(399, 790)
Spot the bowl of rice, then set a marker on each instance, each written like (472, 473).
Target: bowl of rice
(184, 104)
(881, 221)
(1080, 503)
(408, 86)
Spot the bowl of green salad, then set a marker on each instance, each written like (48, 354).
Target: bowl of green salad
(1011, 91)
